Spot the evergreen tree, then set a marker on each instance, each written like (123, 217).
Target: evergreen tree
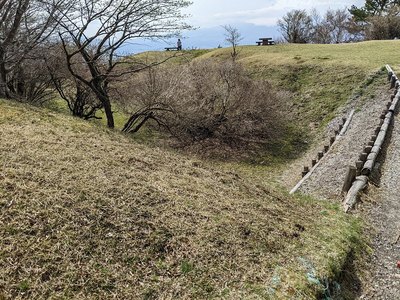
(372, 8)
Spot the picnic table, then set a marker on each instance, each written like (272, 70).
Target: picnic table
(265, 42)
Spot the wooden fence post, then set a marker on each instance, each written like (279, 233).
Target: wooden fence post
(359, 165)
(350, 176)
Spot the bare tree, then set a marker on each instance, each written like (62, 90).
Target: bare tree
(321, 33)
(337, 21)
(296, 26)
(24, 25)
(153, 91)
(331, 28)
(232, 37)
(30, 82)
(79, 98)
(96, 30)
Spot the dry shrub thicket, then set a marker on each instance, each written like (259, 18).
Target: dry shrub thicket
(386, 27)
(204, 103)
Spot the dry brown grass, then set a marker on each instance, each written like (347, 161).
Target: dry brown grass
(86, 213)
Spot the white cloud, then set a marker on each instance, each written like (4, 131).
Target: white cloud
(210, 13)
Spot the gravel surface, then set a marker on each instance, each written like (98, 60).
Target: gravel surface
(383, 213)
(327, 180)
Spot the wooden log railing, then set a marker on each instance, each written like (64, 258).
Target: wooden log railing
(321, 154)
(375, 145)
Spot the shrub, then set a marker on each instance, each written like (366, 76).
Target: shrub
(383, 27)
(204, 101)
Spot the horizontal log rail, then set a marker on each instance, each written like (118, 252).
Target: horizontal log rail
(365, 168)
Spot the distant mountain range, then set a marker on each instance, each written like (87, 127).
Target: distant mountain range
(205, 38)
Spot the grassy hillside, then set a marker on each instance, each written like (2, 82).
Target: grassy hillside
(314, 82)
(87, 213)
(317, 79)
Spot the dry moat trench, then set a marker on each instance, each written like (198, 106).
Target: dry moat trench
(376, 276)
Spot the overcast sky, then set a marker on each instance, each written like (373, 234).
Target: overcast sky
(209, 13)
(253, 18)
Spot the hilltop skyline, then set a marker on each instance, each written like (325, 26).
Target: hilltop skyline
(253, 18)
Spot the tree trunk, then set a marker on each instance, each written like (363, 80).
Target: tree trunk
(3, 88)
(3, 76)
(109, 113)
(101, 93)
(103, 97)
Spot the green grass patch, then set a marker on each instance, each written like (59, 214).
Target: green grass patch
(170, 57)
(317, 79)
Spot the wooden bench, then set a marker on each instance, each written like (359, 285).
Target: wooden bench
(265, 42)
(171, 48)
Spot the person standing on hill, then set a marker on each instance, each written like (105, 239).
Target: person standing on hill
(179, 45)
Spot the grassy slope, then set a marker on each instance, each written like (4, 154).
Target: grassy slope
(318, 79)
(90, 214)
(315, 79)
(315, 82)
(87, 213)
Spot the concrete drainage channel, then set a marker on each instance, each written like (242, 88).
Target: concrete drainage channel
(357, 175)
